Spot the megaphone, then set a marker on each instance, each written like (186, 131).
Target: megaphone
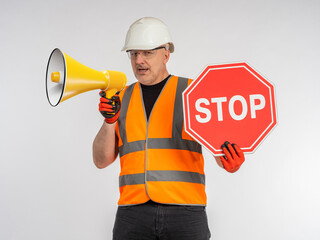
(66, 77)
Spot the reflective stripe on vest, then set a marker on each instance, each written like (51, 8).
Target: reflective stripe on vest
(177, 176)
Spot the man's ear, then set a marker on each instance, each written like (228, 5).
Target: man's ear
(166, 56)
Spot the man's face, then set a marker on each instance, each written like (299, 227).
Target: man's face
(149, 66)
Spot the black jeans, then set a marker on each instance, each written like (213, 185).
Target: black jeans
(153, 221)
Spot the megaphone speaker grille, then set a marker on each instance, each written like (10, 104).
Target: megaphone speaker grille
(55, 88)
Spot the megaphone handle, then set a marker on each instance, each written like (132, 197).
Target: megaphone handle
(110, 93)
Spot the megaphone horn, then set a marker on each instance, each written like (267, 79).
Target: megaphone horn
(66, 77)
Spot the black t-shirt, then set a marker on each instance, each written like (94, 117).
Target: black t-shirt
(150, 94)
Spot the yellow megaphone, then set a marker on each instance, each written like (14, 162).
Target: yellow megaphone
(67, 77)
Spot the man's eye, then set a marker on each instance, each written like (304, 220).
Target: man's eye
(148, 53)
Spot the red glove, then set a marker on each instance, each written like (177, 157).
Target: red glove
(110, 107)
(233, 158)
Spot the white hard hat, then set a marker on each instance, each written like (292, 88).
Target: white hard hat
(147, 33)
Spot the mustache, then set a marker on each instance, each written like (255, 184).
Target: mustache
(141, 66)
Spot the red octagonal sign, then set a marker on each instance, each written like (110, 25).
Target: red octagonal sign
(230, 102)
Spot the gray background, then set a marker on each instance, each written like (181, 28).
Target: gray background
(50, 188)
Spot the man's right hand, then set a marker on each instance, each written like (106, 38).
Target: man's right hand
(110, 107)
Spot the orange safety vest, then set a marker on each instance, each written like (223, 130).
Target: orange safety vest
(159, 160)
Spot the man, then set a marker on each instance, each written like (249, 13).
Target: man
(162, 182)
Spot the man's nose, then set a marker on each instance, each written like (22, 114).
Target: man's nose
(139, 58)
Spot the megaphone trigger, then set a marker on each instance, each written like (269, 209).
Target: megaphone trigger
(110, 95)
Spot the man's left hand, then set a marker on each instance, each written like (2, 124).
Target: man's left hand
(233, 158)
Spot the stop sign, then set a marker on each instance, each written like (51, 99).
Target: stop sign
(229, 102)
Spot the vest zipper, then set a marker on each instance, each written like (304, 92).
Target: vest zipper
(147, 121)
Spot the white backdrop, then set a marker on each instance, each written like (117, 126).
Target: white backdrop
(49, 186)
